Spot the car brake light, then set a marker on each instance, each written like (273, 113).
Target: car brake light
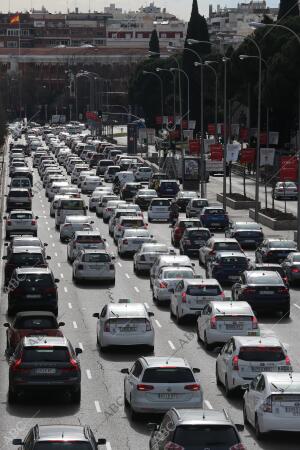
(33, 222)
(267, 404)
(183, 297)
(15, 367)
(254, 322)
(125, 241)
(144, 387)
(148, 325)
(67, 225)
(235, 363)
(238, 446)
(107, 326)
(73, 365)
(213, 322)
(51, 290)
(269, 253)
(249, 291)
(283, 290)
(192, 387)
(222, 294)
(288, 361)
(8, 222)
(145, 225)
(163, 285)
(295, 270)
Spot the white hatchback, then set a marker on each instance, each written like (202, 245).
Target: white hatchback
(166, 280)
(159, 209)
(94, 265)
(219, 321)
(132, 239)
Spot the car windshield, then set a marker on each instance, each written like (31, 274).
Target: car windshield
(96, 258)
(168, 375)
(36, 323)
(271, 278)
(65, 445)
(287, 386)
(203, 290)
(286, 184)
(203, 437)
(178, 274)
(49, 354)
(266, 354)
(282, 244)
(27, 216)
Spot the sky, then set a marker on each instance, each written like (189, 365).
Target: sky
(181, 8)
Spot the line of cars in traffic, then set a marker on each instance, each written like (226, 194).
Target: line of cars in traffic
(166, 384)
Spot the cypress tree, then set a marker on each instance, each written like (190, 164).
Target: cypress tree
(287, 8)
(154, 42)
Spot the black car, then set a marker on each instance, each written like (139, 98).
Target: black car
(226, 267)
(274, 250)
(129, 190)
(49, 437)
(183, 197)
(43, 363)
(32, 289)
(264, 291)
(291, 267)
(248, 234)
(192, 239)
(23, 257)
(270, 267)
(143, 198)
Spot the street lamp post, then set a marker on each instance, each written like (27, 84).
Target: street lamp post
(173, 69)
(159, 69)
(145, 72)
(225, 60)
(286, 28)
(209, 65)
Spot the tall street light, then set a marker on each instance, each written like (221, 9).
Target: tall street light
(284, 27)
(173, 69)
(208, 64)
(257, 175)
(159, 69)
(170, 49)
(145, 72)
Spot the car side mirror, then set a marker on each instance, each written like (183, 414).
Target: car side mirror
(91, 222)
(45, 244)
(4, 257)
(48, 257)
(245, 387)
(17, 442)
(36, 217)
(78, 350)
(240, 426)
(5, 217)
(61, 324)
(6, 325)
(125, 371)
(57, 280)
(196, 370)
(6, 244)
(97, 315)
(152, 426)
(101, 441)
(150, 314)
(193, 264)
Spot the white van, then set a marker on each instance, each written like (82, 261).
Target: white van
(69, 207)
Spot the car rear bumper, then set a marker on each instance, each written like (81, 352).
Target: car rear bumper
(268, 305)
(124, 340)
(95, 275)
(221, 337)
(143, 406)
(270, 422)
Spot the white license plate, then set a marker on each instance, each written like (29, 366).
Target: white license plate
(252, 333)
(295, 410)
(266, 292)
(127, 329)
(234, 326)
(33, 296)
(167, 396)
(215, 224)
(263, 369)
(97, 267)
(47, 371)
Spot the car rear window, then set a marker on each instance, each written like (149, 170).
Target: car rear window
(88, 239)
(271, 278)
(199, 203)
(19, 194)
(96, 258)
(203, 290)
(169, 184)
(168, 375)
(233, 260)
(267, 354)
(38, 280)
(20, 216)
(178, 274)
(27, 259)
(36, 323)
(226, 246)
(202, 437)
(133, 223)
(49, 354)
(160, 203)
(26, 243)
(22, 183)
(72, 204)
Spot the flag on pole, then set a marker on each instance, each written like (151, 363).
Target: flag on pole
(15, 19)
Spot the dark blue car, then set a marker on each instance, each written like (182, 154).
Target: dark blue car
(226, 267)
(248, 234)
(213, 217)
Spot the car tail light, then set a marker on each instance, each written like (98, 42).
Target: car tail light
(295, 270)
(33, 222)
(142, 258)
(18, 290)
(67, 225)
(254, 322)
(172, 446)
(73, 366)
(8, 222)
(235, 363)
(144, 387)
(222, 294)
(148, 325)
(125, 241)
(267, 405)
(145, 225)
(163, 285)
(111, 267)
(183, 297)
(178, 231)
(213, 322)
(249, 291)
(80, 267)
(15, 367)
(283, 290)
(51, 290)
(288, 361)
(269, 253)
(107, 326)
(192, 387)
(119, 227)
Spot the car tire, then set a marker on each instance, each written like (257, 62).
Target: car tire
(7, 237)
(11, 396)
(286, 313)
(259, 435)
(76, 396)
(227, 390)
(133, 414)
(178, 319)
(126, 403)
(198, 334)
(35, 234)
(150, 349)
(218, 381)
(246, 421)
(149, 220)
(207, 346)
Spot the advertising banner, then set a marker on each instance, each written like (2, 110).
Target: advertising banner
(211, 128)
(232, 152)
(288, 168)
(216, 152)
(247, 155)
(267, 156)
(194, 147)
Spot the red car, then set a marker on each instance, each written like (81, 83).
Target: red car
(179, 228)
(31, 323)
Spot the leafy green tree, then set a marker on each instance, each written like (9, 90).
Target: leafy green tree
(154, 43)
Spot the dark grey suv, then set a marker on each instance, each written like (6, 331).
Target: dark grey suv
(194, 428)
(42, 363)
(59, 437)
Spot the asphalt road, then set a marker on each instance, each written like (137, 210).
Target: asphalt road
(102, 383)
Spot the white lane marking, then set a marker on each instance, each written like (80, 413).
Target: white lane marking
(75, 324)
(55, 253)
(127, 276)
(119, 264)
(147, 306)
(61, 275)
(157, 323)
(88, 374)
(208, 404)
(58, 265)
(53, 245)
(171, 345)
(108, 446)
(46, 222)
(48, 228)
(107, 244)
(297, 306)
(80, 345)
(65, 289)
(70, 305)
(97, 406)
(97, 229)
(136, 289)
(44, 212)
(51, 236)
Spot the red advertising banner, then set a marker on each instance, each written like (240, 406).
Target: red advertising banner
(194, 147)
(91, 115)
(244, 134)
(288, 168)
(216, 152)
(247, 155)
(174, 135)
(158, 120)
(263, 138)
(185, 124)
(211, 128)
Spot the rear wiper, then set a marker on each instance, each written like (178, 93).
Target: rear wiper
(116, 315)
(277, 388)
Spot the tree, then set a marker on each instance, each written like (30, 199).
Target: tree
(154, 43)
(287, 8)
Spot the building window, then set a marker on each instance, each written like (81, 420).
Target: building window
(13, 32)
(128, 36)
(12, 44)
(163, 35)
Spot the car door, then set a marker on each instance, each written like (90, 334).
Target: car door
(132, 379)
(226, 359)
(252, 396)
(221, 363)
(176, 295)
(101, 321)
(204, 320)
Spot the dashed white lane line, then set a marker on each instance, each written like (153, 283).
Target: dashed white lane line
(48, 228)
(80, 345)
(97, 406)
(51, 236)
(75, 324)
(46, 222)
(136, 289)
(108, 446)
(208, 404)
(53, 245)
(147, 306)
(157, 323)
(70, 305)
(65, 289)
(297, 306)
(62, 275)
(55, 253)
(119, 264)
(58, 265)
(171, 345)
(127, 276)
(88, 374)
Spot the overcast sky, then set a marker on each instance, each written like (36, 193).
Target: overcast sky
(182, 8)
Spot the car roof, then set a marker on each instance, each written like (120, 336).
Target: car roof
(65, 432)
(78, 218)
(267, 265)
(28, 270)
(261, 273)
(36, 341)
(18, 189)
(159, 361)
(232, 307)
(196, 229)
(87, 233)
(278, 376)
(95, 250)
(25, 238)
(126, 310)
(29, 249)
(264, 341)
(197, 416)
(174, 258)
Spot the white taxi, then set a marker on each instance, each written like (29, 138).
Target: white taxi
(94, 265)
(132, 239)
(84, 240)
(20, 222)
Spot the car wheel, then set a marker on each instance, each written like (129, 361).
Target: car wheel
(151, 349)
(10, 312)
(11, 396)
(218, 381)
(126, 403)
(286, 313)
(133, 414)
(7, 237)
(207, 346)
(178, 319)
(198, 334)
(76, 396)
(245, 414)
(259, 435)
(149, 220)
(227, 390)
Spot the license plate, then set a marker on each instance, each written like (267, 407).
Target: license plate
(33, 296)
(234, 326)
(295, 410)
(252, 333)
(167, 396)
(233, 277)
(263, 369)
(266, 292)
(127, 329)
(42, 371)
(215, 224)
(249, 241)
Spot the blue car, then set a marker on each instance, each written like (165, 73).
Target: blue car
(213, 217)
(227, 267)
(248, 234)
